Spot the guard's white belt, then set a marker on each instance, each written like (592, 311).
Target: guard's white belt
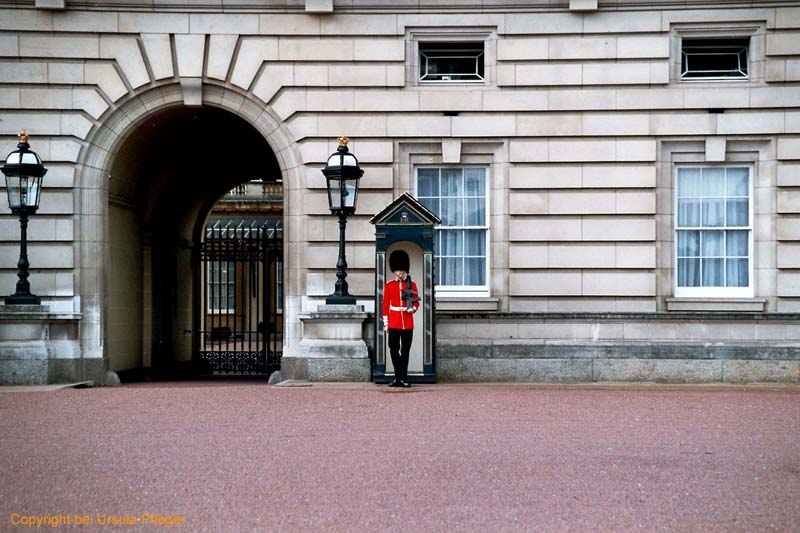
(398, 307)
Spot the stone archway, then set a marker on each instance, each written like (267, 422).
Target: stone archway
(116, 145)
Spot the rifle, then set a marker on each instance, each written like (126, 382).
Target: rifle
(409, 295)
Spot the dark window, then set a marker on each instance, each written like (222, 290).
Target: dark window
(720, 59)
(448, 62)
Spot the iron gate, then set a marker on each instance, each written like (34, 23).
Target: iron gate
(240, 296)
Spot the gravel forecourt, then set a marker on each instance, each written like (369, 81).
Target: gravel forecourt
(244, 456)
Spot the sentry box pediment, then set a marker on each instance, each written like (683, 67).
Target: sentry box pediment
(406, 224)
(405, 210)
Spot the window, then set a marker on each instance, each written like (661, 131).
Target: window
(221, 287)
(714, 59)
(714, 237)
(458, 197)
(451, 62)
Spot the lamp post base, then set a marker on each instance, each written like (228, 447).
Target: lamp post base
(336, 299)
(23, 299)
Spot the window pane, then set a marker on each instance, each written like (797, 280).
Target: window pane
(713, 213)
(452, 65)
(451, 271)
(736, 243)
(688, 272)
(713, 275)
(737, 272)
(688, 244)
(475, 214)
(474, 271)
(713, 182)
(689, 212)
(452, 212)
(451, 182)
(452, 243)
(428, 182)
(712, 242)
(474, 182)
(475, 242)
(737, 212)
(689, 182)
(431, 203)
(737, 179)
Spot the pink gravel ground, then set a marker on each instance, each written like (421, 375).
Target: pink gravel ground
(248, 457)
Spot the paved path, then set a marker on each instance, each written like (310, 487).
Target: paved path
(244, 456)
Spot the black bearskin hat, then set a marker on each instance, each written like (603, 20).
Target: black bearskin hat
(399, 261)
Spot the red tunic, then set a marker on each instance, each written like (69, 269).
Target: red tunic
(394, 307)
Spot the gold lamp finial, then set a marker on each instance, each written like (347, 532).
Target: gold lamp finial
(23, 137)
(343, 140)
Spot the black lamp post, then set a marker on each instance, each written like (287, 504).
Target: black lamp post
(342, 173)
(23, 170)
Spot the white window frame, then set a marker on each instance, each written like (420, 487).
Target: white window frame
(466, 291)
(711, 77)
(480, 58)
(716, 292)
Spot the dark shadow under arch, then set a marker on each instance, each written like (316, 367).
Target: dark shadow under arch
(165, 176)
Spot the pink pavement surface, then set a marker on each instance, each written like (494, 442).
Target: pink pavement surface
(248, 457)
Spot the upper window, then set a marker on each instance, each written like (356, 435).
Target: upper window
(714, 59)
(714, 232)
(221, 287)
(458, 197)
(451, 62)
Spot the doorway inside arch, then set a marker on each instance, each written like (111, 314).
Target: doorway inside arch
(171, 176)
(239, 294)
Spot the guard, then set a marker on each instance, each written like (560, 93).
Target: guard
(400, 302)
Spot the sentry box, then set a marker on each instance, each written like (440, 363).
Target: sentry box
(406, 224)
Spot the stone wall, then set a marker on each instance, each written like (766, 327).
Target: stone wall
(580, 120)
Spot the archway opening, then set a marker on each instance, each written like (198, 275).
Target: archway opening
(165, 180)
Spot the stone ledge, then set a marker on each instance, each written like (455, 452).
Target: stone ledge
(642, 351)
(673, 371)
(746, 305)
(667, 316)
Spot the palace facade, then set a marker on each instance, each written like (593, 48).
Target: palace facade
(618, 181)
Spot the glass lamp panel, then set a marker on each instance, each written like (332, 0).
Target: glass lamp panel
(29, 158)
(13, 189)
(334, 160)
(334, 193)
(13, 158)
(349, 191)
(349, 160)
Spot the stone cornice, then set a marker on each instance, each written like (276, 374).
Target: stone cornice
(400, 6)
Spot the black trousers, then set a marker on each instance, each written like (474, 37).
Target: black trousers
(399, 346)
